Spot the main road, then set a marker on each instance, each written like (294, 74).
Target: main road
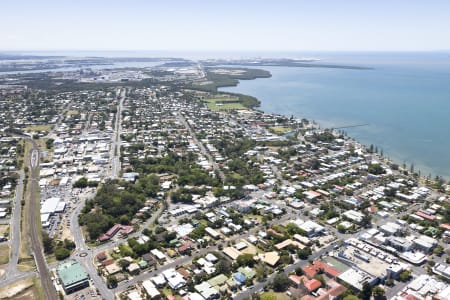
(115, 145)
(34, 228)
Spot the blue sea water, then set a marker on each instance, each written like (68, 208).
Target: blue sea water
(405, 99)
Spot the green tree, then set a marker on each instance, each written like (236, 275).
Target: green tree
(281, 282)
(298, 271)
(111, 281)
(61, 253)
(223, 267)
(81, 183)
(47, 243)
(366, 291)
(304, 253)
(245, 260)
(438, 250)
(68, 244)
(123, 263)
(404, 276)
(378, 292)
(341, 228)
(49, 143)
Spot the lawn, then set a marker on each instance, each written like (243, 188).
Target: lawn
(280, 129)
(224, 102)
(274, 296)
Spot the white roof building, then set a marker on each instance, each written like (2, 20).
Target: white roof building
(174, 279)
(50, 205)
(150, 289)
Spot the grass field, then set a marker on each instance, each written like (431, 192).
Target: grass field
(272, 295)
(280, 129)
(224, 102)
(46, 128)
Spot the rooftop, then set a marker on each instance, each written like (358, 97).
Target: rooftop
(71, 272)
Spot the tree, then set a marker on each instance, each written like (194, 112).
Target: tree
(49, 143)
(390, 282)
(111, 281)
(223, 267)
(47, 243)
(81, 183)
(376, 169)
(366, 292)
(68, 244)
(304, 253)
(298, 271)
(245, 260)
(123, 263)
(366, 221)
(61, 253)
(341, 228)
(404, 276)
(378, 292)
(281, 282)
(438, 250)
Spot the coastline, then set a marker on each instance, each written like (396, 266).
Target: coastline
(387, 157)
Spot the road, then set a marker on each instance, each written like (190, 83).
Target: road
(34, 232)
(202, 251)
(83, 254)
(87, 261)
(291, 268)
(115, 146)
(11, 271)
(201, 147)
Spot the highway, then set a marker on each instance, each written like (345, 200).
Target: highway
(34, 230)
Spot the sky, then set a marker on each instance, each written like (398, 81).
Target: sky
(215, 25)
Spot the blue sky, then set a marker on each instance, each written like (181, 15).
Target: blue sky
(247, 25)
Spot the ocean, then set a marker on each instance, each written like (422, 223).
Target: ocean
(404, 99)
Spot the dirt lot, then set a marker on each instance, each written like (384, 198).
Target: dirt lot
(24, 289)
(4, 254)
(4, 229)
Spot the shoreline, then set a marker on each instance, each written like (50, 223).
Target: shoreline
(423, 176)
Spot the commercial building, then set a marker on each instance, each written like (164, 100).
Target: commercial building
(72, 276)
